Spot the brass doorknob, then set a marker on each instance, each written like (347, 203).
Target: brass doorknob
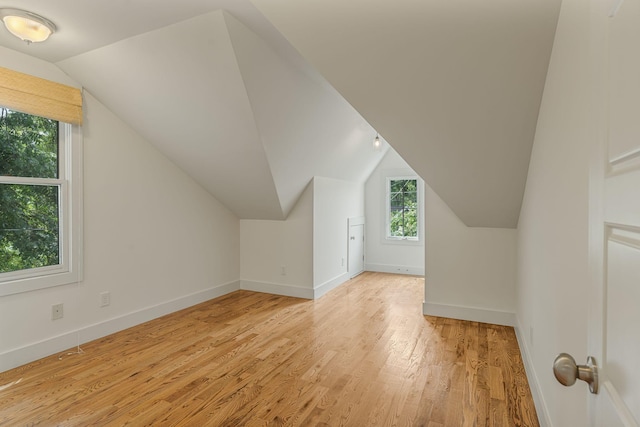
(567, 371)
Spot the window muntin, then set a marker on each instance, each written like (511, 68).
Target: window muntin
(402, 208)
(39, 196)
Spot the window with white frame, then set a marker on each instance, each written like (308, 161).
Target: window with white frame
(40, 199)
(37, 231)
(403, 208)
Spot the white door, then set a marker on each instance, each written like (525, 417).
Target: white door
(614, 319)
(356, 246)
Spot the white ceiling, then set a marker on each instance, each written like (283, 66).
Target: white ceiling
(453, 85)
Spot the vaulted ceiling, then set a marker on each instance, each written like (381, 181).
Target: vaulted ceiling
(254, 98)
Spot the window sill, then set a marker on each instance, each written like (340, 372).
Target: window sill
(27, 283)
(402, 241)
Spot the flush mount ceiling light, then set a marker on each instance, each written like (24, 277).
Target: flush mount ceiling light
(27, 26)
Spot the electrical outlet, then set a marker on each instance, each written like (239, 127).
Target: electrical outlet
(105, 299)
(283, 270)
(57, 312)
(342, 262)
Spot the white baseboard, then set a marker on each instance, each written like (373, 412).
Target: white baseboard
(277, 289)
(294, 291)
(318, 291)
(397, 269)
(469, 313)
(29, 353)
(538, 398)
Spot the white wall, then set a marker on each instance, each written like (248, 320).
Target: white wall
(470, 271)
(334, 202)
(266, 247)
(152, 237)
(381, 254)
(311, 244)
(552, 232)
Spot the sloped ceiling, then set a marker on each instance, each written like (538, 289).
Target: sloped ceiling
(180, 87)
(248, 97)
(249, 126)
(453, 85)
(307, 128)
(239, 111)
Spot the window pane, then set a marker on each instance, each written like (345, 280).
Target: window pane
(397, 201)
(396, 185)
(410, 199)
(396, 223)
(410, 223)
(28, 145)
(29, 226)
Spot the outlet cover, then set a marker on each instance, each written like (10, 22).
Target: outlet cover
(57, 311)
(105, 299)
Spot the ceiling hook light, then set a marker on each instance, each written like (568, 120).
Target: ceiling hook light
(27, 26)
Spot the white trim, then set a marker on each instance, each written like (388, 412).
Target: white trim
(395, 269)
(277, 289)
(294, 291)
(358, 220)
(318, 291)
(45, 182)
(473, 314)
(538, 398)
(617, 403)
(625, 157)
(20, 356)
(613, 11)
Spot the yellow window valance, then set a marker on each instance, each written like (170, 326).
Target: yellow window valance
(40, 97)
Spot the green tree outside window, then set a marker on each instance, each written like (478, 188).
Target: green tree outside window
(403, 208)
(29, 210)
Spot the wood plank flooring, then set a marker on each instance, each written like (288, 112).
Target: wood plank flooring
(362, 355)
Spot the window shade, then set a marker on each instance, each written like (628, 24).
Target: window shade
(40, 97)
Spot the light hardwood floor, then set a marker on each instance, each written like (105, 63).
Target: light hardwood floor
(362, 355)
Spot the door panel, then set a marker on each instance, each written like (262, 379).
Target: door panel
(622, 293)
(615, 317)
(356, 249)
(624, 81)
(608, 413)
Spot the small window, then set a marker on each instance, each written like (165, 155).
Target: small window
(402, 209)
(39, 243)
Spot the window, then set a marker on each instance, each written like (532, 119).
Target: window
(402, 206)
(36, 234)
(40, 189)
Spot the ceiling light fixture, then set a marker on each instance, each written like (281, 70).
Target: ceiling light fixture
(377, 144)
(27, 26)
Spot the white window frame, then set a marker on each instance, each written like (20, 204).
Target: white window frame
(387, 208)
(69, 182)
